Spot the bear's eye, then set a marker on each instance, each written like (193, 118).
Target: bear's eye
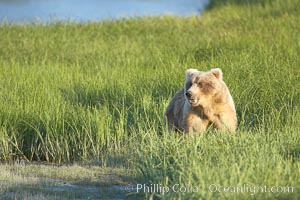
(188, 85)
(200, 84)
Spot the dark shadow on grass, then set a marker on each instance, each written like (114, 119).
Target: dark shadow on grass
(121, 104)
(219, 3)
(293, 153)
(206, 54)
(33, 133)
(25, 132)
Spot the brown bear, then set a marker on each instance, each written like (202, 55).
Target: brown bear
(203, 102)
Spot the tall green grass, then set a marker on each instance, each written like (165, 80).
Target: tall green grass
(98, 91)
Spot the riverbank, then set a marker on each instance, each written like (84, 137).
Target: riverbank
(53, 181)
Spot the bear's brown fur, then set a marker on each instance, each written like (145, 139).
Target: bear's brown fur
(203, 102)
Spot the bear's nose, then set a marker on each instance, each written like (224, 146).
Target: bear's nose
(188, 94)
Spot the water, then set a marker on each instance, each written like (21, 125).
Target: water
(20, 11)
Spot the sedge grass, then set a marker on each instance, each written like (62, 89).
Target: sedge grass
(98, 91)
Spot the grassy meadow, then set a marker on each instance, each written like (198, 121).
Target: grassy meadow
(97, 92)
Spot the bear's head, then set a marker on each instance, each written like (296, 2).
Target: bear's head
(201, 87)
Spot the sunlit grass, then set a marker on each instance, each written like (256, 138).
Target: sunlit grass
(98, 91)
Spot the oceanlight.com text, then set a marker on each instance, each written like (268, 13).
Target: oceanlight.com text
(213, 188)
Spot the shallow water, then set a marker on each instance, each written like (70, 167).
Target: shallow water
(19, 11)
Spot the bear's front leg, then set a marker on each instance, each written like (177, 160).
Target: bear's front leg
(225, 123)
(194, 124)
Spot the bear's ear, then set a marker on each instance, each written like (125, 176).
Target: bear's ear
(191, 72)
(217, 72)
